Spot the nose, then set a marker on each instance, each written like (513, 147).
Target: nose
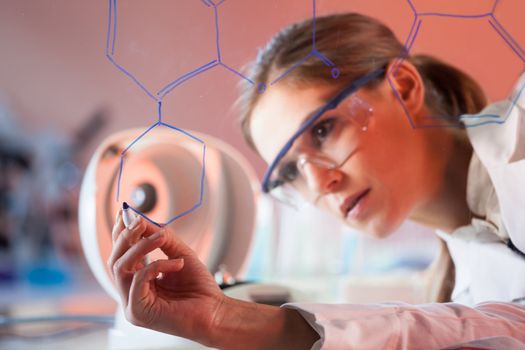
(322, 180)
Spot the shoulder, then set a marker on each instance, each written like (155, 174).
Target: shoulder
(497, 135)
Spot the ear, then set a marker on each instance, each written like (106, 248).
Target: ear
(409, 85)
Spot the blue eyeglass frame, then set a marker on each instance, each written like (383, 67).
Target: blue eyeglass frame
(332, 104)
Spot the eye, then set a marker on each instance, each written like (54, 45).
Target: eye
(288, 172)
(321, 131)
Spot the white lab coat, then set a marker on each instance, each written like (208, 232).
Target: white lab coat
(489, 295)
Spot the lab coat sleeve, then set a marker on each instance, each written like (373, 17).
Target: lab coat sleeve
(490, 325)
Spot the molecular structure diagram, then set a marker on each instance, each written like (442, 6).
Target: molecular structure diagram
(466, 120)
(418, 20)
(158, 96)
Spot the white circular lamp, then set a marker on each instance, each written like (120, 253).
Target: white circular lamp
(161, 175)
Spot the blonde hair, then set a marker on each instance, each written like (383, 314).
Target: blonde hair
(358, 45)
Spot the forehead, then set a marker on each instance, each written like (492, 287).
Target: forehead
(280, 112)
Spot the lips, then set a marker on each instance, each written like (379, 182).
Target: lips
(352, 205)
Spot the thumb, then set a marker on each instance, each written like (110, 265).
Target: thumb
(142, 290)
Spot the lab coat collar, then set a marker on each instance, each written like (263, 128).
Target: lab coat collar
(498, 134)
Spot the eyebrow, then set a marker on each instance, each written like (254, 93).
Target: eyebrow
(310, 115)
(324, 102)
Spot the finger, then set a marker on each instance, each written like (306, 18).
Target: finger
(132, 260)
(142, 290)
(152, 228)
(174, 247)
(118, 226)
(127, 238)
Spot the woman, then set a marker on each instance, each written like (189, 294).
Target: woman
(374, 148)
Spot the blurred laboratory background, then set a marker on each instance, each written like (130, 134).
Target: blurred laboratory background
(60, 97)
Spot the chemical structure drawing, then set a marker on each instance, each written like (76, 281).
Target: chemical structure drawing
(216, 62)
(181, 133)
(158, 96)
(466, 120)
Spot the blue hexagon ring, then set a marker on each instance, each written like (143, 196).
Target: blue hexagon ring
(473, 32)
(255, 30)
(148, 42)
(162, 175)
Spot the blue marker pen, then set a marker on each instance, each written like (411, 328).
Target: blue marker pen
(127, 214)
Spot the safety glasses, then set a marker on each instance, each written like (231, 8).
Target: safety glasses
(326, 140)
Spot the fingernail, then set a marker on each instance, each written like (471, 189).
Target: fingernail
(117, 215)
(135, 222)
(128, 216)
(155, 236)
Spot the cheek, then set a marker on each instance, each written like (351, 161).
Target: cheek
(394, 192)
(393, 153)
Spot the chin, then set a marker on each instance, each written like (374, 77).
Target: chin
(375, 231)
(379, 233)
(380, 228)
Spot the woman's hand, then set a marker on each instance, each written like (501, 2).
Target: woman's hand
(177, 296)
(185, 301)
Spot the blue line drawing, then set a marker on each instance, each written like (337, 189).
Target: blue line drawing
(214, 5)
(138, 82)
(493, 9)
(482, 119)
(159, 111)
(217, 61)
(158, 96)
(451, 15)
(171, 86)
(404, 51)
(509, 40)
(217, 33)
(292, 68)
(335, 72)
(111, 47)
(139, 138)
(236, 73)
(412, 7)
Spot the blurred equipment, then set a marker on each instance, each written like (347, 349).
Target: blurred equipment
(39, 183)
(161, 177)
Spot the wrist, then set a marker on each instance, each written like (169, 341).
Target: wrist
(240, 324)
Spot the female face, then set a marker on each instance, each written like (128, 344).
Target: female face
(391, 173)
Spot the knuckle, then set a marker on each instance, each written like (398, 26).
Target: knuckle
(125, 234)
(139, 230)
(118, 267)
(132, 236)
(154, 268)
(117, 231)
(114, 233)
(111, 266)
(114, 270)
(133, 316)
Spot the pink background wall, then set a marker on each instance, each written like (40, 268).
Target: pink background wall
(54, 73)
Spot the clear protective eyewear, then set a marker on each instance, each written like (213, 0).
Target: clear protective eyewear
(326, 140)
